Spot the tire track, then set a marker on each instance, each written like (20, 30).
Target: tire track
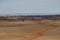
(43, 30)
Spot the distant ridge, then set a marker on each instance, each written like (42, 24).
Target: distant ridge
(27, 14)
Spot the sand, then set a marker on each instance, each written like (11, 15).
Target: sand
(28, 30)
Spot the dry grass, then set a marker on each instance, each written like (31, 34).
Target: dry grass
(29, 30)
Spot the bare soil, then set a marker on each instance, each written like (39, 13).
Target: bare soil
(30, 30)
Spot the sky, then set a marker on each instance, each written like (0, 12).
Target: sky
(29, 7)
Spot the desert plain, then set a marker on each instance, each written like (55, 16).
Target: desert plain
(30, 30)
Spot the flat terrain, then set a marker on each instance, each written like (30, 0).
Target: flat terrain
(30, 30)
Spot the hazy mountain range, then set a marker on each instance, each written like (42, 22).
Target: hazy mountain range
(27, 14)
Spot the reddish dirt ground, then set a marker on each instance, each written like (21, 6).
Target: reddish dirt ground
(30, 30)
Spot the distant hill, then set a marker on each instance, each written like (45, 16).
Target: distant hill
(30, 17)
(42, 16)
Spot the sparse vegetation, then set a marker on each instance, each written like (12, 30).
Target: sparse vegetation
(29, 29)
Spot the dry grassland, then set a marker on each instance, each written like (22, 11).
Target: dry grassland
(30, 30)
